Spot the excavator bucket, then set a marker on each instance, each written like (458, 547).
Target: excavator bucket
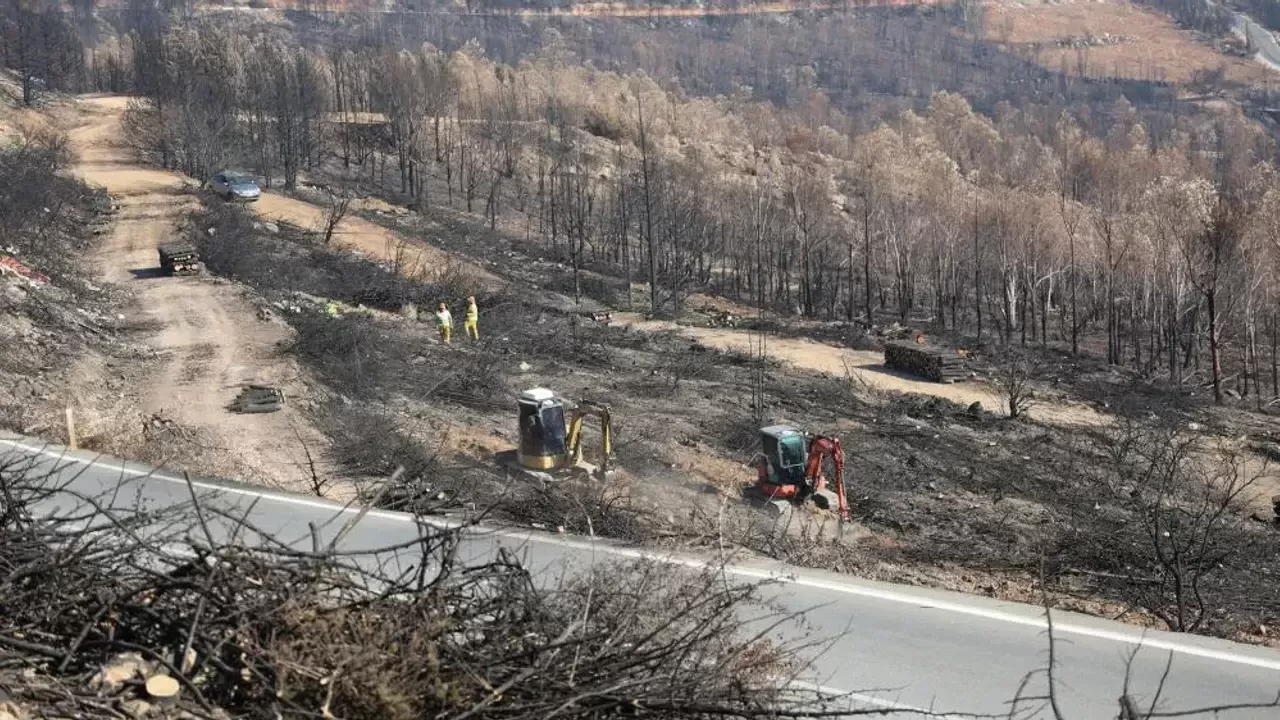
(580, 412)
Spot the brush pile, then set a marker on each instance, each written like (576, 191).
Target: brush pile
(125, 613)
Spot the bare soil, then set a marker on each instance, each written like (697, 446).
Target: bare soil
(209, 339)
(864, 368)
(942, 496)
(1155, 48)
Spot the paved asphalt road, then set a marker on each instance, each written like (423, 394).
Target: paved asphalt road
(1263, 42)
(897, 646)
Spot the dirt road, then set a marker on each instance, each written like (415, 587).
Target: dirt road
(863, 367)
(210, 337)
(371, 240)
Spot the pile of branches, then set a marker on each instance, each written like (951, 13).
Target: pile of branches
(271, 629)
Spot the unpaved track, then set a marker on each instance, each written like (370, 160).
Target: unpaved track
(863, 367)
(371, 240)
(210, 337)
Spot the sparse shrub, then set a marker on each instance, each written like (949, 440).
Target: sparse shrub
(739, 432)
(926, 406)
(42, 213)
(1014, 376)
(611, 292)
(231, 249)
(343, 349)
(582, 508)
(1185, 497)
(368, 443)
(474, 380)
(360, 282)
(692, 362)
(452, 281)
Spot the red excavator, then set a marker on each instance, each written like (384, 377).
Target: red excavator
(789, 470)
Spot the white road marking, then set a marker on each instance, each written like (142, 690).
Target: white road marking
(592, 546)
(833, 694)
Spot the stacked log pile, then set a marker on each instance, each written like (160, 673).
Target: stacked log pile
(931, 363)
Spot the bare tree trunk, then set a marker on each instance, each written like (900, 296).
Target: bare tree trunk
(1211, 299)
(1075, 312)
(339, 204)
(977, 271)
(1045, 303)
(1275, 361)
(866, 255)
(648, 210)
(1022, 314)
(1254, 374)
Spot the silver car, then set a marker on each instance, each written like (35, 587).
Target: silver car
(235, 186)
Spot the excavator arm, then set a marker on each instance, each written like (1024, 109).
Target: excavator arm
(827, 446)
(573, 437)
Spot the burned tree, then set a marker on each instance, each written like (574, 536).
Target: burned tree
(337, 204)
(1184, 495)
(40, 46)
(1211, 257)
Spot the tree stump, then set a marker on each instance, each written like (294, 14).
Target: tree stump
(163, 689)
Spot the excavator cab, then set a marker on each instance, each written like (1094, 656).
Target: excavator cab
(785, 453)
(543, 430)
(551, 434)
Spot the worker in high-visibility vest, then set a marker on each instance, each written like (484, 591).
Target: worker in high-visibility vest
(471, 323)
(444, 323)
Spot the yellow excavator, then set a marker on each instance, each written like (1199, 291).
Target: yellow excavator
(551, 435)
